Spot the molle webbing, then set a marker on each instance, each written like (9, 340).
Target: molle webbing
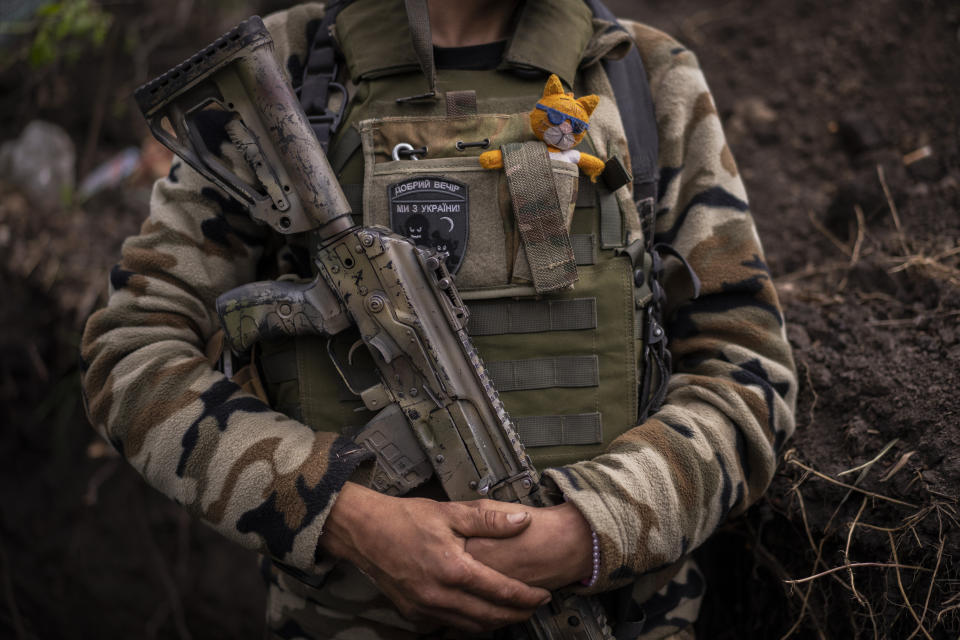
(611, 221)
(558, 422)
(590, 194)
(540, 219)
(584, 249)
(547, 431)
(544, 373)
(586, 190)
(531, 316)
(461, 103)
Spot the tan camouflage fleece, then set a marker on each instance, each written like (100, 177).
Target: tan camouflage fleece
(268, 481)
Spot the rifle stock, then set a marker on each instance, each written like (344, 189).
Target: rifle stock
(292, 188)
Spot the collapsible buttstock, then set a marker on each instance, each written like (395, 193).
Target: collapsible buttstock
(234, 89)
(158, 92)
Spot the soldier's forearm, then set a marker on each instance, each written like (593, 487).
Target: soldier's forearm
(344, 526)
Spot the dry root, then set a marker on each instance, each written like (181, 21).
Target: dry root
(909, 591)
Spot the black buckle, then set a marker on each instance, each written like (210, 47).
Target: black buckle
(329, 117)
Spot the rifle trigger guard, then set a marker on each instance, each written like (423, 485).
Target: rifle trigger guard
(353, 348)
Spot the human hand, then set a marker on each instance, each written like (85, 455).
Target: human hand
(555, 550)
(413, 549)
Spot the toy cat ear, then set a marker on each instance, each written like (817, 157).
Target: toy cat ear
(589, 103)
(553, 86)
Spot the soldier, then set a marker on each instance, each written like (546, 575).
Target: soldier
(262, 458)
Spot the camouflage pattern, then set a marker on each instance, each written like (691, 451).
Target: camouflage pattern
(541, 217)
(268, 481)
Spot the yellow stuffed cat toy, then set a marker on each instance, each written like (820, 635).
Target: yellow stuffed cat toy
(561, 122)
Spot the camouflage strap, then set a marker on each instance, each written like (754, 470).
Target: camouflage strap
(550, 431)
(531, 316)
(545, 373)
(540, 219)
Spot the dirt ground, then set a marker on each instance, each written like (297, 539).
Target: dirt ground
(843, 119)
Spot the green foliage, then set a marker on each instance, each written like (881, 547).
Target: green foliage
(65, 30)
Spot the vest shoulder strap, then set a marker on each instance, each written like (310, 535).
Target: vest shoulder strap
(320, 77)
(628, 77)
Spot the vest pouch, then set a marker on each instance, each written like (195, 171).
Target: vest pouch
(446, 201)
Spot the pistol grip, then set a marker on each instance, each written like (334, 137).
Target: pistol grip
(278, 309)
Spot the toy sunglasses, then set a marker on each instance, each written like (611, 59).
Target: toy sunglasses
(556, 117)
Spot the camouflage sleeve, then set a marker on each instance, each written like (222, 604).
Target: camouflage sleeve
(255, 475)
(664, 486)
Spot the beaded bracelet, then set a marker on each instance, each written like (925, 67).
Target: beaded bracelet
(595, 574)
(596, 560)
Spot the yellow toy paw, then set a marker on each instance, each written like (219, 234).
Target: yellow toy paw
(491, 159)
(591, 165)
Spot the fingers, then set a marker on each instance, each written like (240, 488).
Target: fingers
(474, 597)
(481, 519)
(496, 588)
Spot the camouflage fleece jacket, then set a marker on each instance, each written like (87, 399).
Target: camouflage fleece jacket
(268, 481)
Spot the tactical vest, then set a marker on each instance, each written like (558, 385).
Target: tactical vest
(573, 367)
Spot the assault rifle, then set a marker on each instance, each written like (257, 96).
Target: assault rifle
(438, 412)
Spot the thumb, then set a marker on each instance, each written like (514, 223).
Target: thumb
(481, 522)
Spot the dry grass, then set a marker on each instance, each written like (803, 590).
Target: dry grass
(885, 592)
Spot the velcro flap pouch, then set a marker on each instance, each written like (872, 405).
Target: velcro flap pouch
(447, 202)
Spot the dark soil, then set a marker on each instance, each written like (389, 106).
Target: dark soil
(826, 105)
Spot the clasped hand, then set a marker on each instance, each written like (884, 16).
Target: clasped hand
(475, 566)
